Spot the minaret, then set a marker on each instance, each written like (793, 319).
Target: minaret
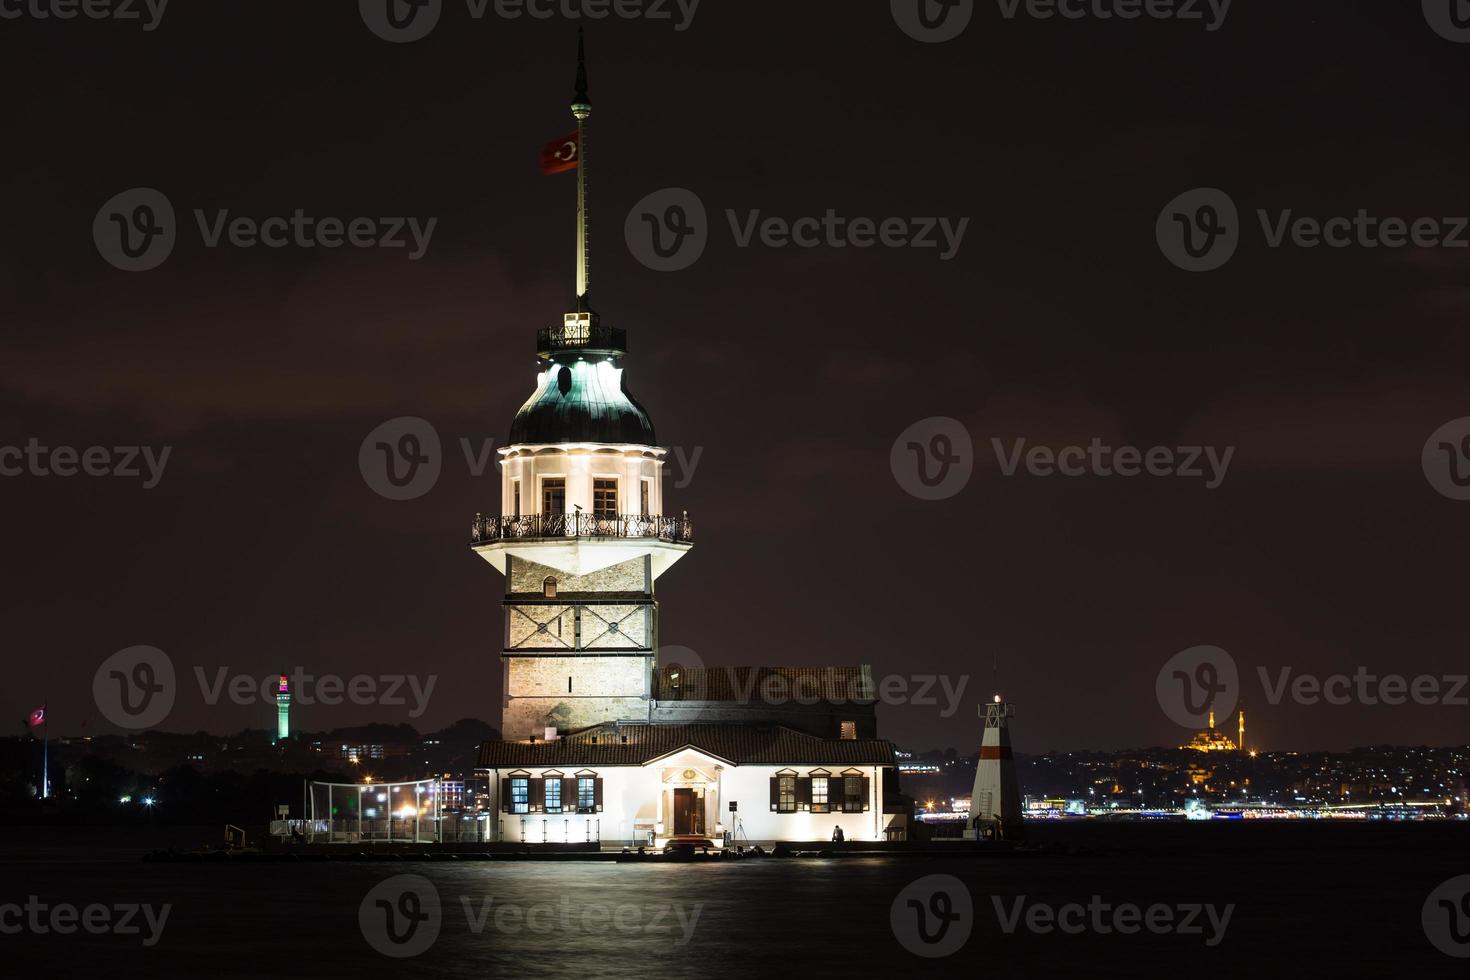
(283, 710)
(995, 801)
(1240, 742)
(581, 533)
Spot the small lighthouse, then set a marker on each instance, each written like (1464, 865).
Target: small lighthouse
(283, 710)
(995, 801)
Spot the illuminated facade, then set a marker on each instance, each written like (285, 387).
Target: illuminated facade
(601, 741)
(1212, 739)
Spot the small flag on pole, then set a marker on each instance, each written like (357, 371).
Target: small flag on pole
(38, 717)
(561, 155)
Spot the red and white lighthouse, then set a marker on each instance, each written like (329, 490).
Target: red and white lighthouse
(995, 801)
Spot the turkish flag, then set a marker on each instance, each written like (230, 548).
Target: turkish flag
(38, 717)
(561, 155)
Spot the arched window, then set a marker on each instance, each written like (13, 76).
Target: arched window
(548, 587)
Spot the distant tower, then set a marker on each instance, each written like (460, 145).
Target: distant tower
(1240, 743)
(283, 710)
(581, 531)
(995, 801)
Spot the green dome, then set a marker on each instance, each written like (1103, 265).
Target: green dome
(582, 401)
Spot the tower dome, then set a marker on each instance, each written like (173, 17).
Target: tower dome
(580, 394)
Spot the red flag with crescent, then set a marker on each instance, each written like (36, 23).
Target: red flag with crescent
(561, 155)
(38, 717)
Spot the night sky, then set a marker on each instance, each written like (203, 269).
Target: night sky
(793, 370)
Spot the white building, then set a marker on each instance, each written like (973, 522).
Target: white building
(602, 742)
(637, 782)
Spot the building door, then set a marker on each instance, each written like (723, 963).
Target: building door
(687, 812)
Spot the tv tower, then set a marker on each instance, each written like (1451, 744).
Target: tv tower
(283, 710)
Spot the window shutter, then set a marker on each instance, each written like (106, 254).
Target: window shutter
(775, 792)
(536, 795)
(505, 795)
(866, 791)
(597, 792)
(803, 793)
(569, 794)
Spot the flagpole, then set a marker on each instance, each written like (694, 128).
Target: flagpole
(45, 751)
(581, 109)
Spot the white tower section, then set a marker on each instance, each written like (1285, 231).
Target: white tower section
(995, 802)
(582, 531)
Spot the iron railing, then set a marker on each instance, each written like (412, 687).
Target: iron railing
(679, 530)
(581, 336)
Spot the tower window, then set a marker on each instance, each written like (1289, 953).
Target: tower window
(643, 498)
(515, 498)
(554, 496)
(548, 590)
(849, 729)
(605, 498)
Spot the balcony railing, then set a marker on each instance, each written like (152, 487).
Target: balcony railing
(679, 530)
(581, 336)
